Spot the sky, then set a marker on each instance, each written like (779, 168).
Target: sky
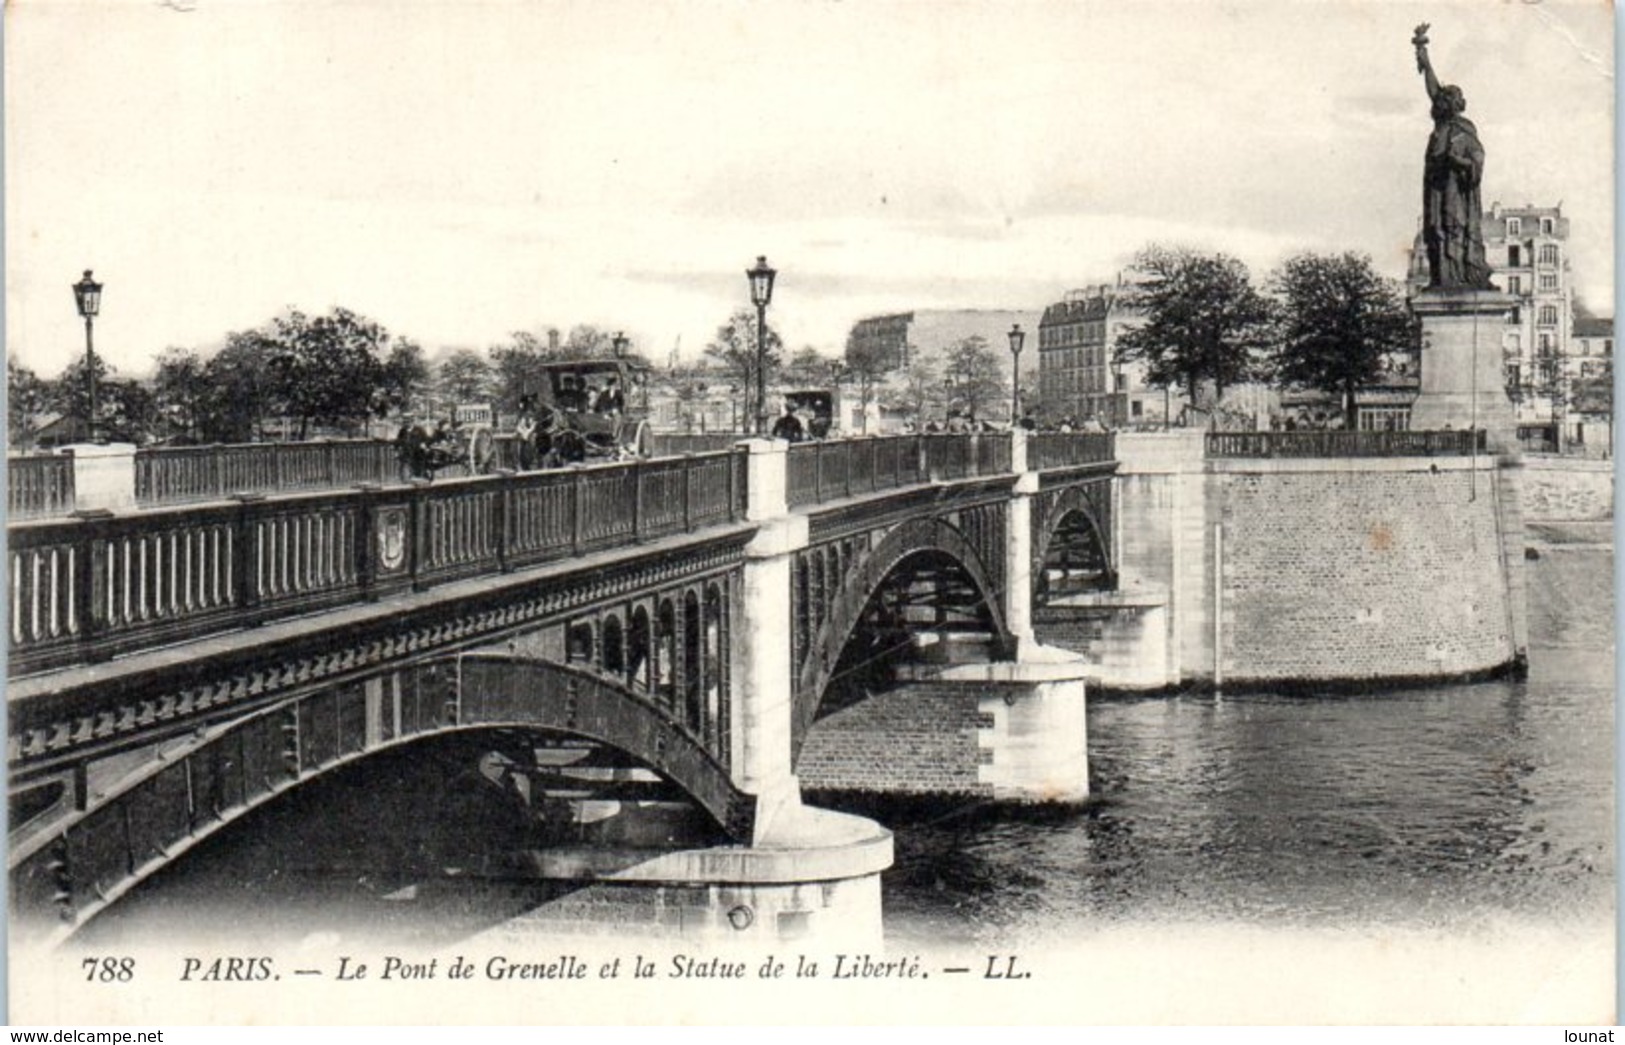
(459, 171)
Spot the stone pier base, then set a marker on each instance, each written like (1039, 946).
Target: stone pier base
(1122, 636)
(817, 881)
(1013, 731)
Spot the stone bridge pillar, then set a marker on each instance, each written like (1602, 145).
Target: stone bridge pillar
(806, 869)
(1018, 546)
(765, 708)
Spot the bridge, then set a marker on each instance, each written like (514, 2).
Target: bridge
(674, 626)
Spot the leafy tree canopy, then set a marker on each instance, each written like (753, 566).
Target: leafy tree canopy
(1338, 320)
(1203, 320)
(975, 377)
(734, 347)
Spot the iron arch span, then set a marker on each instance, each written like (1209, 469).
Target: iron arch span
(1073, 553)
(881, 586)
(86, 862)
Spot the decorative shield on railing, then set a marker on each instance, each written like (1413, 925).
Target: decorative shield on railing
(391, 527)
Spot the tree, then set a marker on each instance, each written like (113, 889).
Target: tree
(734, 346)
(241, 389)
(974, 375)
(464, 376)
(69, 393)
(920, 395)
(518, 369)
(128, 411)
(586, 341)
(182, 393)
(405, 377)
(1204, 321)
(1338, 320)
(330, 369)
(809, 360)
(26, 398)
(869, 363)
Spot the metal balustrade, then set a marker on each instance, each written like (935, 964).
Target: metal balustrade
(820, 472)
(95, 587)
(1050, 450)
(180, 475)
(39, 485)
(669, 443)
(1345, 443)
(100, 585)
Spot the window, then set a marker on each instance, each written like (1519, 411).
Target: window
(1135, 408)
(1548, 254)
(1548, 281)
(1514, 283)
(1548, 315)
(1545, 344)
(1515, 317)
(1547, 226)
(1607, 346)
(1514, 227)
(1514, 256)
(1515, 344)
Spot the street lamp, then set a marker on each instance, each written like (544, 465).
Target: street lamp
(761, 292)
(1017, 338)
(620, 343)
(87, 294)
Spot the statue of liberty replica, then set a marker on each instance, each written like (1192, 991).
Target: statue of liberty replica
(1454, 166)
(1462, 313)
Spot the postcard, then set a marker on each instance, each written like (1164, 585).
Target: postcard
(810, 512)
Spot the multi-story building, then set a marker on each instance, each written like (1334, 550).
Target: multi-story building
(1079, 376)
(1527, 248)
(908, 339)
(1588, 387)
(1527, 251)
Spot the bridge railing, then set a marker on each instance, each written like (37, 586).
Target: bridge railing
(91, 588)
(666, 443)
(832, 469)
(1343, 443)
(1048, 450)
(38, 485)
(179, 475)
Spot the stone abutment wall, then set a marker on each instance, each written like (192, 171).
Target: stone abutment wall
(1325, 569)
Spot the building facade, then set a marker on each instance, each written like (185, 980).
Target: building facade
(1079, 376)
(1588, 385)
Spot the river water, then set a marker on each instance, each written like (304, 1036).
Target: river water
(1441, 808)
(1447, 808)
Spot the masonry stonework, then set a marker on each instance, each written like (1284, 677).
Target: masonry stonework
(1328, 569)
(1361, 574)
(918, 739)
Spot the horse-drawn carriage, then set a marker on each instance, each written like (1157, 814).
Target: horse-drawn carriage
(584, 410)
(591, 409)
(463, 444)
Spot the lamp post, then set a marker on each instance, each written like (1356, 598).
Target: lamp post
(761, 292)
(87, 294)
(620, 343)
(1017, 338)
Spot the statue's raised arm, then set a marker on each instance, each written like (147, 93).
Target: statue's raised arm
(1420, 41)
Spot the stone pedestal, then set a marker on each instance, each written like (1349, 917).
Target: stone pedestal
(103, 476)
(1463, 384)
